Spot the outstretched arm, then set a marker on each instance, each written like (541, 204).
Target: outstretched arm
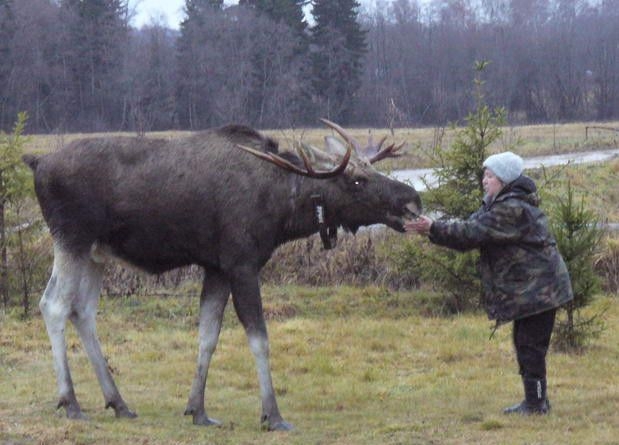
(503, 224)
(420, 225)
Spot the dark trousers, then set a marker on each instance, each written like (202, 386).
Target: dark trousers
(531, 340)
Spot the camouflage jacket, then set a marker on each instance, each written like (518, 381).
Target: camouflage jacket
(522, 271)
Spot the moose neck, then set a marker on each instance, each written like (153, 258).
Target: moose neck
(311, 212)
(328, 234)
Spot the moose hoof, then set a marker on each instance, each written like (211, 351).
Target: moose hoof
(76, 414)
(121, 410)
(278, 426)
(125, 413)
(72, 410)
(200, 417)
(204, 420)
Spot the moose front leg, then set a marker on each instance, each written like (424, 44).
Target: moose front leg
(215, 293)
(248, 306)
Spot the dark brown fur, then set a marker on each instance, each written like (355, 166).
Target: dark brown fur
(161, 204)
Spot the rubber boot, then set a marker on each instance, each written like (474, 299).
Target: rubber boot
(535, 399)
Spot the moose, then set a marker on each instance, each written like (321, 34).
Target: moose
(223, 199)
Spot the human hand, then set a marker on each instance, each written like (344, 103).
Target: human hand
(421, 225)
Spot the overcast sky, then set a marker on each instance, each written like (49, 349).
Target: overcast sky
(170, 12)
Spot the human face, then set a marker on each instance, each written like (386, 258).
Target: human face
(491, 184)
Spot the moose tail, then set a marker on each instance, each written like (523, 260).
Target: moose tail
(31, 160)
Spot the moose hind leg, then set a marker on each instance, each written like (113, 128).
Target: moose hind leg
(215, 293)
(56, 305)
(248, 306)
(83, 317)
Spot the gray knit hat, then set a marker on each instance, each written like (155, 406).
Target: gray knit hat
(507, 166)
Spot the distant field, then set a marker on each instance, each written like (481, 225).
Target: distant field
(529, 140)
(597, 183)
(351, 366)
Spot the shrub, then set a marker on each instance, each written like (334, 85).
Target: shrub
(15, 188)
(452, 274)
(578, 238)
(29, 255)
(362, 259)
(458, 193)
(606, 265)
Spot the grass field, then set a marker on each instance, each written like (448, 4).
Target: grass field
(350, 365)
(529, 140)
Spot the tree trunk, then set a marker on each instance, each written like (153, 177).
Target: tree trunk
(23, 270)
(571, 330)
(4, 271)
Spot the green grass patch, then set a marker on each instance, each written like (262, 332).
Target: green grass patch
(350, 366)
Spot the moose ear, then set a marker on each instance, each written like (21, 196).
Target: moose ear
(334, 146)
(318, 157)
(305, 150)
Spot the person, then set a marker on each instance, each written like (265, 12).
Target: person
(523, 275)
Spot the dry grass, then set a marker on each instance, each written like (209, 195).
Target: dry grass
(530, 140)
(595, 184)
(351, 365)
(386, 377)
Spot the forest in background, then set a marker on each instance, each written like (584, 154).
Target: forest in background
(80, 66)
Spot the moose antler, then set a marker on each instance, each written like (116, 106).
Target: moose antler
(309, 170)
(390, 151)
(372, 152)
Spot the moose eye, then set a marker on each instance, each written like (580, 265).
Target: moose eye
(359, 182)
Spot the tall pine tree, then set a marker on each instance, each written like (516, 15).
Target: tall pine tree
(238, 64)
(7, 32)
(152, 87)
(195, 78)
(289, 12)
(281, 63)
(96, 34)
(194, 8)
(458, 193)
(338, 47)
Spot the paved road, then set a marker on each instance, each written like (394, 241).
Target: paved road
(415, 176)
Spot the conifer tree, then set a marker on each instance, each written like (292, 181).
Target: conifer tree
(193, 8)
(460, 171)
(15, 185)
(7, 31)
(97, 33)
(578, 237)
(288, 11)
(238, 64)
(192, 85)
(459, 192)
(338, 48)
(286, 20)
